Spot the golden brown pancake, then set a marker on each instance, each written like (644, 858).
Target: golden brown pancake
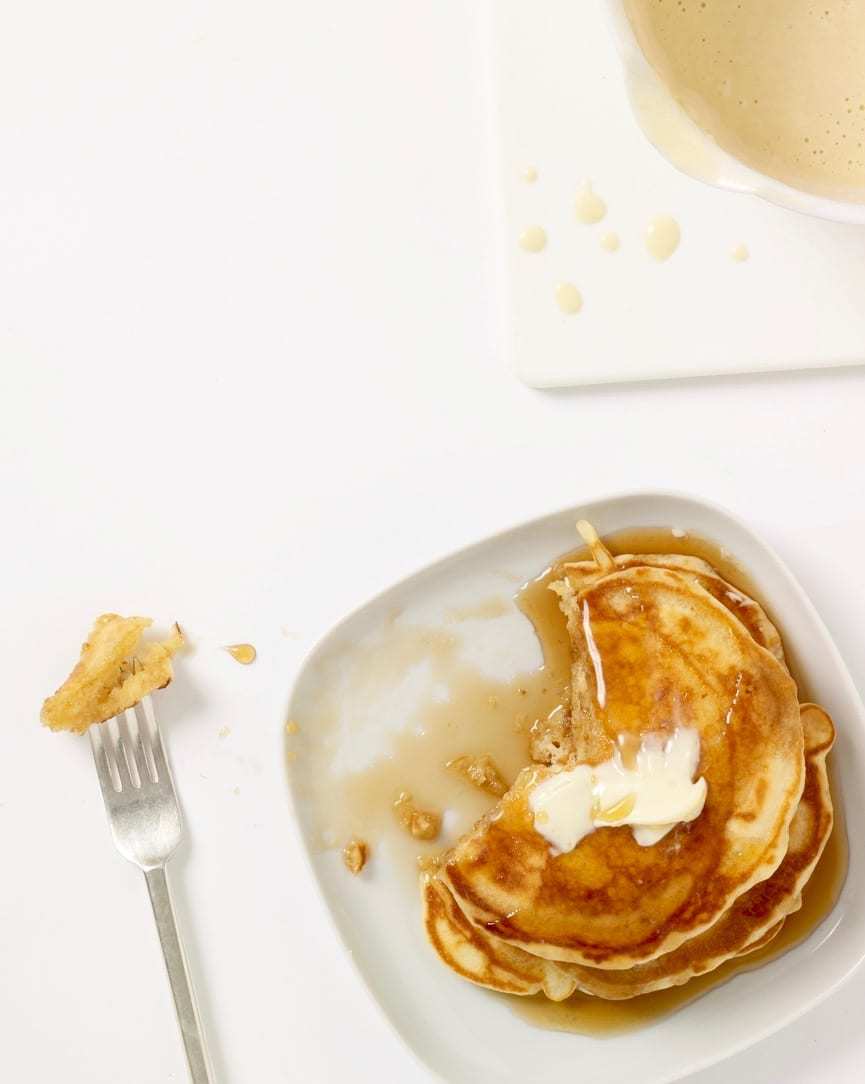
(767, 937)
(551, 740)
(483, 959)
(115, 672)
(750, 613)
(667, 654)
(757, 914)
(751, 923)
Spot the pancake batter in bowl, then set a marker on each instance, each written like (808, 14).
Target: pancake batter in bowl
(779, 84)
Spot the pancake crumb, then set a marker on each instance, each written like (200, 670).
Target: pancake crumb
(481, 772)
(115, 671)
(291, 727)
(420, 823)
(355, 855)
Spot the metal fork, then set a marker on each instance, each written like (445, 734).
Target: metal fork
(145, 821)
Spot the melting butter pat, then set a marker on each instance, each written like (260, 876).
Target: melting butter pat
(652, 795)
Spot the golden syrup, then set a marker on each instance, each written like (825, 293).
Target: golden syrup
(481, 611)
(469, 715)
(242, 653)
(629, 745)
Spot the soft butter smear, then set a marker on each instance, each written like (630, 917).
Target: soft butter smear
(652, 795)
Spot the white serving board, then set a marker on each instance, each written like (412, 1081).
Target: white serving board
(559, 105)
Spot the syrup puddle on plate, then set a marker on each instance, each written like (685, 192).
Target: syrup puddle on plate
(465, 712)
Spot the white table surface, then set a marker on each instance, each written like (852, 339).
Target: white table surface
(250, 376)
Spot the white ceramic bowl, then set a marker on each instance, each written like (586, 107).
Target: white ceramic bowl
(672, 132)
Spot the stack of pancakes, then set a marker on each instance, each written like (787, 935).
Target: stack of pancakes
(657, 642)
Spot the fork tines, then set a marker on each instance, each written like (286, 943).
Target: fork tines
(128, 748)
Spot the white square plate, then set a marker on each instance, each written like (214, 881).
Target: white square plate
(464, 1033)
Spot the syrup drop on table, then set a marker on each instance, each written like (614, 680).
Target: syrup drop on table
(530, 174)
(242, 653)
(740, 254)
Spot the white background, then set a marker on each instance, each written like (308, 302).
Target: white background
(250, 376)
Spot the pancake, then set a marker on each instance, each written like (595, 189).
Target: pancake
(767, 937)
(653, 649)
(758, 914)
(115, 671)
(750, 613)
(551, 739)
(750, 924)
(483, 959)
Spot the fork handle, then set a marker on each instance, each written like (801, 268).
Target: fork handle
(178, 976)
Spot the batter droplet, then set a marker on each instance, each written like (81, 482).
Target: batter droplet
(533, 239)
(589, 206)
(568, 298)
(662, 237)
